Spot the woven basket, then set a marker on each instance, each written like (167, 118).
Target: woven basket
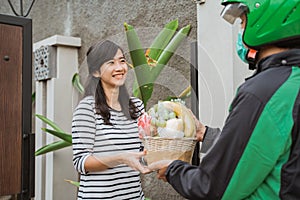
(168, 149)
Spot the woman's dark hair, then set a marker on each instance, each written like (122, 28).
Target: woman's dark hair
(97, 55)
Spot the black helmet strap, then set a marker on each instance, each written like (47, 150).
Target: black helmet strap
(252, 58)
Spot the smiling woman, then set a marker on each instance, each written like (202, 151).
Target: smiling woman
(106, 146)
(113, 72)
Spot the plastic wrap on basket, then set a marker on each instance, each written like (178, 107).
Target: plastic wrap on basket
(168, 149)
(164, 132)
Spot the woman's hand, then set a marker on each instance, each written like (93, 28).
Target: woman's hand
(132, 159)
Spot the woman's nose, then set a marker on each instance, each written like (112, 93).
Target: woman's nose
(120, 66)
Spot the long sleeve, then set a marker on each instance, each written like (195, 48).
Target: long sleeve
(211, 136)
(83, 134)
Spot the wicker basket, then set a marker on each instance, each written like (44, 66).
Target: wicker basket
(168, 149)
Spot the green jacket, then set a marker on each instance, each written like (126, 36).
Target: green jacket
(257, 155)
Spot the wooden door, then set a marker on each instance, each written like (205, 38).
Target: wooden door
(15, 107)
(10, 108)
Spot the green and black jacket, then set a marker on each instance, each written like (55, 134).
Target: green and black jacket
(257, 155)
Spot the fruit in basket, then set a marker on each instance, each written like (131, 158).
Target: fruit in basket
(172, 117)
(176, 124)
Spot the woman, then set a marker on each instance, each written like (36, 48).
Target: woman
(104, 130)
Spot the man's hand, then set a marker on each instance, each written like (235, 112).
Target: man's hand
(161, 168)
(200, 129)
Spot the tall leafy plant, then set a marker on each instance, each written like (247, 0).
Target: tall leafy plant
(148, 65)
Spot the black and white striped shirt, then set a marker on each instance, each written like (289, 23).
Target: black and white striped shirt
(90, 136)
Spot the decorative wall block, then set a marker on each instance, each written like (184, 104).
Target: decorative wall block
(45, 63)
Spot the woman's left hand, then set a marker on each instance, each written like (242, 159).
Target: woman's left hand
(132, 159)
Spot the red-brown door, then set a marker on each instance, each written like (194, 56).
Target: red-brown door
(16, 146)
(10, 108)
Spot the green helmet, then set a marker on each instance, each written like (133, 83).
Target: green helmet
(269, 22)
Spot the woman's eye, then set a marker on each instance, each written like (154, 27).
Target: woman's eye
(123, 61)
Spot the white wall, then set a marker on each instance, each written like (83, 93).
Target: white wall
(220, 70)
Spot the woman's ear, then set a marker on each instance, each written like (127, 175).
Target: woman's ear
(97, 74)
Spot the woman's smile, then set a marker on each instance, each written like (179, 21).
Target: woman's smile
(118, 76)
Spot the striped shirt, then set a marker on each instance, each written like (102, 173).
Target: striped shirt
(90, 136)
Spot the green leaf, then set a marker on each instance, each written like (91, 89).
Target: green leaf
(162, 39)
(77, 84)
(144, 74)
(33, 97)
(147, 90)
(169, 50)
(52, 147)
(136, 51)
(136, 89)
(139, 61)
(62, 135)
(77, 184)
(49, 122)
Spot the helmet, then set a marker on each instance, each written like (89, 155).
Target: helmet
(269, 22)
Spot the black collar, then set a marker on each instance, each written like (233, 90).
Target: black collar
(287, 58)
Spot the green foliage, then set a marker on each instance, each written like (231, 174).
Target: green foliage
(52, 147)
(77, 184)
(148, 65)
(33, 97)
(77, 84)
(66, 138)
